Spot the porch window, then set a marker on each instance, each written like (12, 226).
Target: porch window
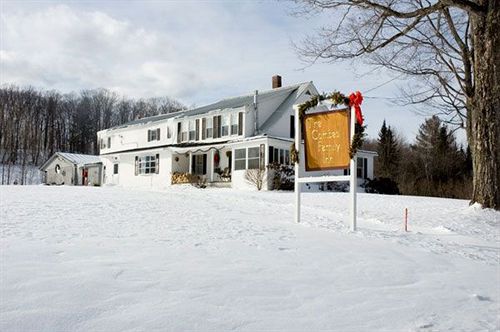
(279, 156)
(253, 158)
(234, 123)
(361, 168)
(240, 157)
(225, 124)
(192, 130)
(147, 164)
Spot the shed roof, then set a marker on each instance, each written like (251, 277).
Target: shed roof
(75, 158)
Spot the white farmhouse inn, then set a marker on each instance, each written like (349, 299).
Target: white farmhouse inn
(216, 143)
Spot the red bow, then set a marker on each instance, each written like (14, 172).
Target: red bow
(355, 99)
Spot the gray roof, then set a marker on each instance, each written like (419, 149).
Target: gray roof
(233, 102)
(77, 159)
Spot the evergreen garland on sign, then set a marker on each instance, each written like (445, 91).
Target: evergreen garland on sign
(337, 98)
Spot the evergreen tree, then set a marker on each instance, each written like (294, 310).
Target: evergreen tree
(437, 153)
(388, 153)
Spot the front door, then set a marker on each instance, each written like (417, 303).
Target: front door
(199, 164)
(85, 176)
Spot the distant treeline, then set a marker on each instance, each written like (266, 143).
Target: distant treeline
(434, 165)
(34, 124)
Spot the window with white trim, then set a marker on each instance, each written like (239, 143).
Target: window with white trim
(279, 156)
(253, 158)
(225, 124)
(240, 159)
(184, 135)
(153, 135)
(147, 165)
(192, 130)
(209, 130)
(234, 123)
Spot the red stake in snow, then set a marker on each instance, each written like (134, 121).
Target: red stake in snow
(406, 219)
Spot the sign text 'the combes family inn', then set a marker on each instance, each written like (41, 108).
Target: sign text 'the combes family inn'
(326, 140)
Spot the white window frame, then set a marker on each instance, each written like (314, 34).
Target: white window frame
(209, 130)
(184, 131)
(234, 124)
(192, 129)
(253, 158)
(147, 164)
(236, 159)
(225, 124)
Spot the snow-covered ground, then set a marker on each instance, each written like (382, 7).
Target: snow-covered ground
(111, 259)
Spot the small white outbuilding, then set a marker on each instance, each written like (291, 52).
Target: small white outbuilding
(73, 169)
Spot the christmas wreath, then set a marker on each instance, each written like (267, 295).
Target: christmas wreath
(354, 100)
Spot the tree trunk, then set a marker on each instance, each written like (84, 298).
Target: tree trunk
(484, 116)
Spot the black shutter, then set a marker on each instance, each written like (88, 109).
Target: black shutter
(149, 135)
(197, 123)
(292, 126)
(240, 123)
(365, 168)
(219, 134)
(203, 128)
(271, 154)
(179, 128)
(158, 134)
(204, 164)
(157, 169)
(193, 163)
(136, 165)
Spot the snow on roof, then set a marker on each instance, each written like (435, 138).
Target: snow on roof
(80, 159)
(75, 158)
(233, 102)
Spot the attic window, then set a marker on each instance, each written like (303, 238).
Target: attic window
(58, 169)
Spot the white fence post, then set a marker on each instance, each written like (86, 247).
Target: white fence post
(353, 176)
(298, 136)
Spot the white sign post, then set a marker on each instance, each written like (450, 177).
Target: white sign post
(310, 179)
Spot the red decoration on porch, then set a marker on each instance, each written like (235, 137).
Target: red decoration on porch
(355, 99)
(216, 158)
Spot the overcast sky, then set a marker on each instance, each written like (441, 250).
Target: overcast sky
(194, 51)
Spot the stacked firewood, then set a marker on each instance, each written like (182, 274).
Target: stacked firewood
(178, 177)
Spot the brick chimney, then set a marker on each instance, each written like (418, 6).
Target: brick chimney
(276, 81)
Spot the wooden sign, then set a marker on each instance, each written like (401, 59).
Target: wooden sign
(327, 140)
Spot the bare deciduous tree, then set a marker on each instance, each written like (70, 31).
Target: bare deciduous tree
(450, 46)
(255, 177)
